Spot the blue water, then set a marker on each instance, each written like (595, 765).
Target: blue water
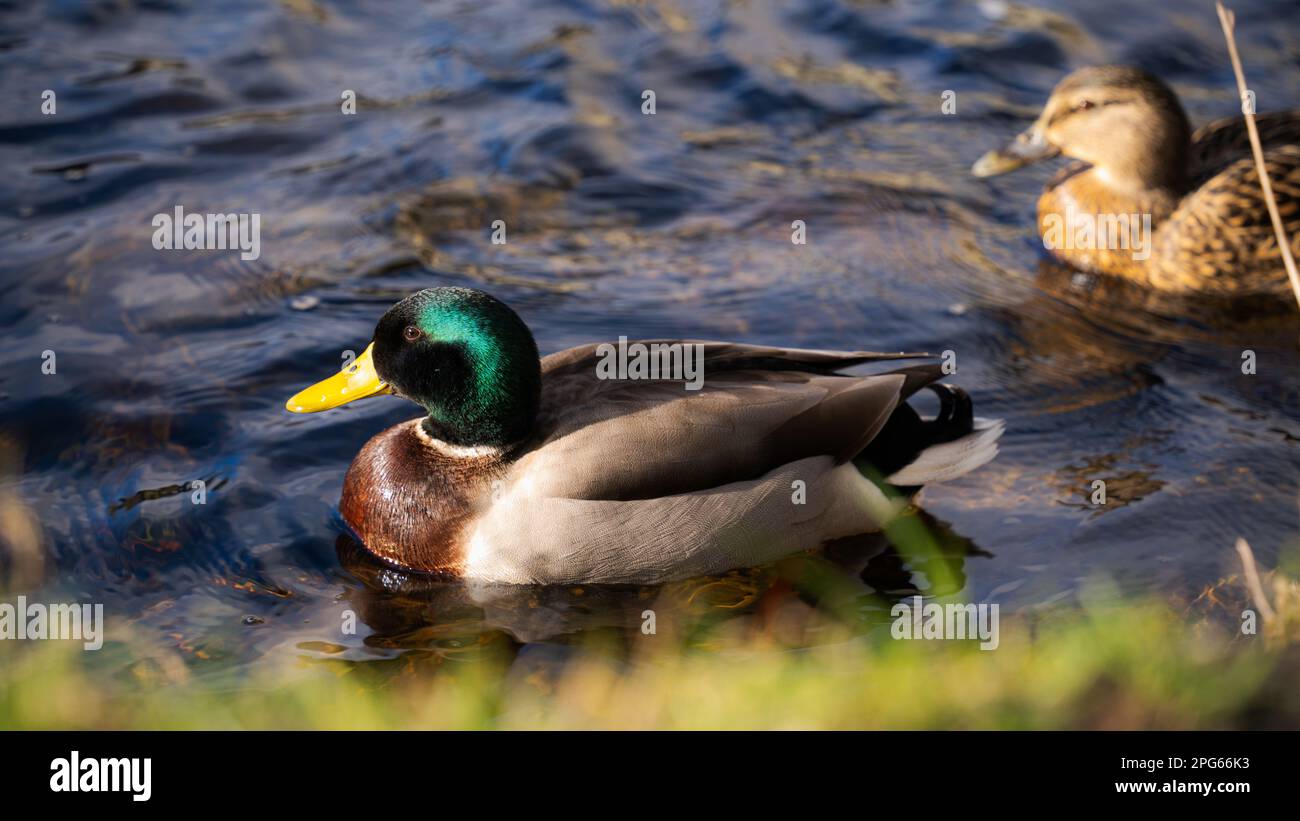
(174, 365)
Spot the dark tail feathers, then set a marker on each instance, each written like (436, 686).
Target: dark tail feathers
(906, 434)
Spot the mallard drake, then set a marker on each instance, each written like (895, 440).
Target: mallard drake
(557, 471)
(1150, 200)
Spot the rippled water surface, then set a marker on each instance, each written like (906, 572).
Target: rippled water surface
(174, 366)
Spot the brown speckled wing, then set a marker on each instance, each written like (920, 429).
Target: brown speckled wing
(1221, 238)
(1221, 143)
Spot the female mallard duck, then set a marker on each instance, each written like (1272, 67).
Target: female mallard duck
(552, 471)
(1149, 202)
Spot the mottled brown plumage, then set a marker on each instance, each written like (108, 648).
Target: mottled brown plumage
(1210, 228)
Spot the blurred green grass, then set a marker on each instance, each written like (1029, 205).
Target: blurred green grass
(1136, 665)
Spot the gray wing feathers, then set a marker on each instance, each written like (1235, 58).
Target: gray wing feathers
(646, 541)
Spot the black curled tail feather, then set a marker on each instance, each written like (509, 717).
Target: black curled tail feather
(906, 434)
(956, 414)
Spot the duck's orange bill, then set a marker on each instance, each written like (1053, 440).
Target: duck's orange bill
(357, 381)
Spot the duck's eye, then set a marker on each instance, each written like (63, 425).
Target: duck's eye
(1083, 105)
(412, 333)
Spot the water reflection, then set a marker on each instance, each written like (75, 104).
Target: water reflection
(852, 582)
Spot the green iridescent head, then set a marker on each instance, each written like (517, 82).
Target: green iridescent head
(467, 358)
(462, 354)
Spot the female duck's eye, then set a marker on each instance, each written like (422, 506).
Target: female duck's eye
(1083, 105)
(411, 333)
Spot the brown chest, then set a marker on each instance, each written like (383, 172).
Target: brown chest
(412, 503)
(1094, 228)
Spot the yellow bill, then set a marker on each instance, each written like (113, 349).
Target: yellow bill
(357, 381)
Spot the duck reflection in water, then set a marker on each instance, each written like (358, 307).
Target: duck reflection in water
(850, 583)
